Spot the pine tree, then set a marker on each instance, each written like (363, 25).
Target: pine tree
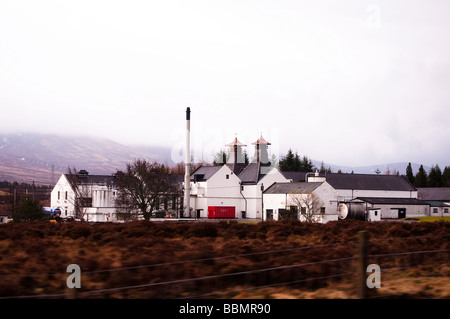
(307, 165)
(287, 162)
(410, 174)
(29, 209)
(297, 163)
(446, 177)
(435, 177)
(421, 178)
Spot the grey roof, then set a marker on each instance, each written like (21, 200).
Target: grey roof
(369, 182)
(203, 173)
(236, 167)
(287, 188)
(254, 172)
(437, 203)
(251, 173)
(295, 176)
(392, 201)
(107, 180)
(434, 193)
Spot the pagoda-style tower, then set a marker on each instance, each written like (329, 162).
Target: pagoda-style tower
(261, 153)
(236, 160)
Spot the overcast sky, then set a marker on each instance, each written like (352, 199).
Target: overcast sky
(346, 82)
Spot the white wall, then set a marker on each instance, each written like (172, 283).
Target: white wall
(66, 204)
(325, 192)
(390, 211)
(221, 189)
(102, 197)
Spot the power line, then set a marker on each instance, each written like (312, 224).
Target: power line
(187, 261)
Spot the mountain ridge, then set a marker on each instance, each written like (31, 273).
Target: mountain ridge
(42, 158)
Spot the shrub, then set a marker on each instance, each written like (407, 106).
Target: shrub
(203, 229)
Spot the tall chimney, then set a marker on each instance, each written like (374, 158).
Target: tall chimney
(187, 166)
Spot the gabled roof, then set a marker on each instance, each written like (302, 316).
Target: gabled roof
(369, 182)
(203, 173)
(288, 188)
(236, 168)
(254, 172)
(434, 193)
(295, 176)
(250, 174)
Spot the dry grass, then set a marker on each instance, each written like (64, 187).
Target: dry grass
(34, 258)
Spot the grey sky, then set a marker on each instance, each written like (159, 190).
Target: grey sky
(347, 82)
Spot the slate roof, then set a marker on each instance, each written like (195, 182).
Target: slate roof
(437, 203)
(203, 173)
(369, 182)
(236, 167)
(254, 172)
(392, 201)
(107, 180)
(294, 176)
(434, 193)
(287, 188)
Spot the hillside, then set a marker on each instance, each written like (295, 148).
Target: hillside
(42, 158)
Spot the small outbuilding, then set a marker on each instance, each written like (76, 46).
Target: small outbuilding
(395, 208)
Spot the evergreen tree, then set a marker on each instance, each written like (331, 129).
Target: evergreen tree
(29, 209)
(220, 158)
(322, 168)
(421, 178)
(307, 165)
(446, 177)
(410, 174)
(297, 163)
(287, 162)
(435, 177)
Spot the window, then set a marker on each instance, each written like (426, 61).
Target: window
(322, 210)
(445, 210)
(65, 196)
(227, 176)
(59, 195)
(174, 203)
(435, 210)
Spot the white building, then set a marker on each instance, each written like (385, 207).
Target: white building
(283, 199)
(95, 195)
(438, 198)
(361, 196)
(235, 186)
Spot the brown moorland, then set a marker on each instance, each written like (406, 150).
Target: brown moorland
(225, 259)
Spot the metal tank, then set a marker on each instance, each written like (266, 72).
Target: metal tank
(352, 211)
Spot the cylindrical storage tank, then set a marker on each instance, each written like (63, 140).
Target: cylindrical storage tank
(352, 211)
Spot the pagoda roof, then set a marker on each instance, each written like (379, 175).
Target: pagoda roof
(235, 143)
(261, 140)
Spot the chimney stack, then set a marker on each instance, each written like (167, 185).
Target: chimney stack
(187, 166)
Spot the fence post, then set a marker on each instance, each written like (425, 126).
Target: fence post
(362, 256)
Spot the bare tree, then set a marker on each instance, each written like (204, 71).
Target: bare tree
(82, 194)
(309, 205)
(142, 187)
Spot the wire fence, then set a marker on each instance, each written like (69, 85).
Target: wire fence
(313, 274)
